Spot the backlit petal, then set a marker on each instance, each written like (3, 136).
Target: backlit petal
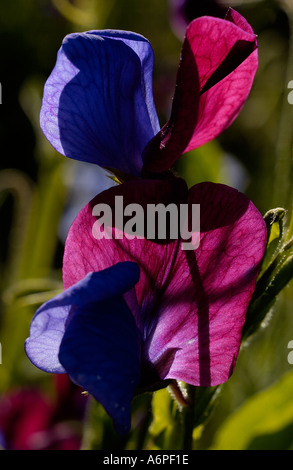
(98, 103)
(200, 318)
(100, 351)
(215, 75)
(84, 252)
(49, 322)
(189, 305)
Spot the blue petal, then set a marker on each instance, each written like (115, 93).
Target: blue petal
(98, 103)
(49, 322)
(46, 333)
(100, 351)
(143, 49)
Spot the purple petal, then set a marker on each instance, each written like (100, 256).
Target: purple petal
(98, 103)
(100, 351)
(49, 322)
(144, 51)
(46, 333)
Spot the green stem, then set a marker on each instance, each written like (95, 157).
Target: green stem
(34, 261)
(18, 185)
(189, 419)
(201, 403)
(42, 233)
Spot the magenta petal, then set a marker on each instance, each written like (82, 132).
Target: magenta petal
(204, 307)
(189, 305)
(215, 76)
(84, 253)
(239, 20)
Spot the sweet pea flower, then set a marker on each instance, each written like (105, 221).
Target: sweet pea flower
(139, 313)
(98, 102)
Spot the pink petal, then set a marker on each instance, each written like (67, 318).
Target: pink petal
(239, 20)
(215, 76)
(84, 253)
(203, 311)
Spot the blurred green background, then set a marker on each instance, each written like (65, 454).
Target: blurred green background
(38, 188)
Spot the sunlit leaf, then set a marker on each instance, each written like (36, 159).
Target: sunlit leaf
(264, 421)
(161, 406)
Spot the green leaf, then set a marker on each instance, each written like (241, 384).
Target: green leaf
(166, 427)
(264, 421)
(162, 412)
